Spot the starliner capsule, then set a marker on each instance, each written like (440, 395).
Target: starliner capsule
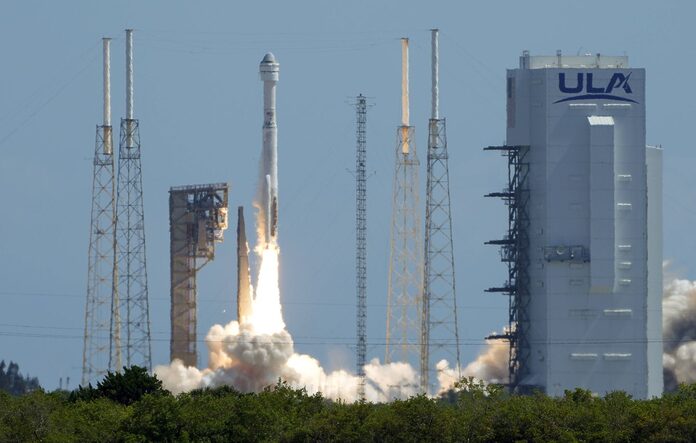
(269, 70)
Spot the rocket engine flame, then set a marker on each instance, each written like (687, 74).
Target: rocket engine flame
(267, 312)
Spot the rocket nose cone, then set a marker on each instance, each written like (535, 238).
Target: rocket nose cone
(268, 58)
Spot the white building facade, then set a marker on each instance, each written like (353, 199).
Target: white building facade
(593, 230)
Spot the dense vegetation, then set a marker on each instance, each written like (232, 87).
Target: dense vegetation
(132, 406)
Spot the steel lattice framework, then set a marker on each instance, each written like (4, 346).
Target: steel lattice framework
(514, 251)
(361, 239)
(439, 328)
(100, 272)
(131, 324)
(405, 281)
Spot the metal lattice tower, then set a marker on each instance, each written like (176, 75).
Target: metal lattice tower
(100, 270)
(361, 239)
(405, 283)
(439, 328)
(197, 220)
(514, 251)
(131, 325)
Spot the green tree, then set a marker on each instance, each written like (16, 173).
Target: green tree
(129, 386)
(154, 417)
(98, 420)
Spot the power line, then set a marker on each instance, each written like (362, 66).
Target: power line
(350, 341)
(227, 300)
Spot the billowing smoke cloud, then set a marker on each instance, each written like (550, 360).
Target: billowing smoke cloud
(679, 332)
(491, 365)
(250, 361)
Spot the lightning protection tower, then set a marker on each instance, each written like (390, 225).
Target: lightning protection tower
(405, 282)
(361, 239)
(439, 329)
(197, 220)
(131, 324)
(100, 277)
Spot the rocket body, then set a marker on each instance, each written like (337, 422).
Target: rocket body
(244, 304)
(269, 70)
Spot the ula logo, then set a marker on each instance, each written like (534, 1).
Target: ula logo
(585, 83)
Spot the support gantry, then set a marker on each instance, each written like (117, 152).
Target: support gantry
(514, 251)
(197, 220)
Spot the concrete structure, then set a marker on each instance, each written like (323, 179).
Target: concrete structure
(584, 244)
(197, 220)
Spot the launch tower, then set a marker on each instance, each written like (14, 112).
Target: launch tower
(197, 220)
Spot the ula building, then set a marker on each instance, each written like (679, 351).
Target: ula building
(584, 240)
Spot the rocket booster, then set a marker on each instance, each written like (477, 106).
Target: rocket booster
(269, 70)
(244, 305)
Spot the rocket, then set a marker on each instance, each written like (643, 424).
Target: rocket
(244, 305)
(267, 193)
(268, 70)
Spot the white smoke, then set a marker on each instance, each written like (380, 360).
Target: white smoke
(679, 332)
(249, 361)
(491, 365)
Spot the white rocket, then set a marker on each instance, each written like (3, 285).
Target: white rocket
(269, 70)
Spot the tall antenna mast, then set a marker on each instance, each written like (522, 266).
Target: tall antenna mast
(98, 307)
(133, 316)
(406, 251)
(361, 239)
(439, 328)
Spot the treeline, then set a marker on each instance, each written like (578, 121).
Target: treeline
(133, 406)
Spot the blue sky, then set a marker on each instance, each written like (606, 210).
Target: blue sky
(198, 98)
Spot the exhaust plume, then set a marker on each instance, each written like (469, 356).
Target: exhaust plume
(679, 333)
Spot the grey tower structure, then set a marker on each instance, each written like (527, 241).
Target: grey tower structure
(583, 244)
(197, 220)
